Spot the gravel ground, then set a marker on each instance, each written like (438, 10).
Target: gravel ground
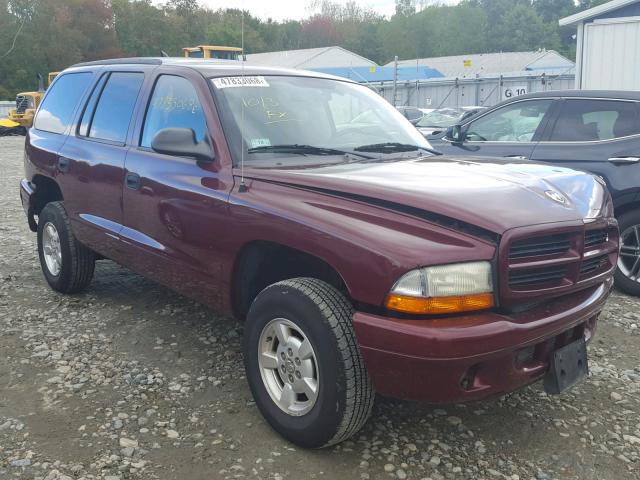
(131, 381)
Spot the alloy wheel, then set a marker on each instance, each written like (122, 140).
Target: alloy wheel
(288, 367)
(51, 249)
(629, 259)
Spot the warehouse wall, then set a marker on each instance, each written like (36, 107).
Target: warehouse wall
(480, 91)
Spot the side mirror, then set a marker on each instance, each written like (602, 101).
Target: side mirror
(455, 134)
(414, 121)
(181, 142)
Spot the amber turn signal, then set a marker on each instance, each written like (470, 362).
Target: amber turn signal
(441, 305)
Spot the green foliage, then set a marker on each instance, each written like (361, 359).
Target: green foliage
(52, 34)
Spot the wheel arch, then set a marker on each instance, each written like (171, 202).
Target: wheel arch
(47, 190)
(627, 207)
(261, 263)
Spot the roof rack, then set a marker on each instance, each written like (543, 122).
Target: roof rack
(122, 61)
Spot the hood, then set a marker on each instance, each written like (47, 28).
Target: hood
(490, 193)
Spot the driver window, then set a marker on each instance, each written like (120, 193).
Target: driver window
(517, 122)
(174, 104)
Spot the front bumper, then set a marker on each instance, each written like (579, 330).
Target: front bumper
(477, 356)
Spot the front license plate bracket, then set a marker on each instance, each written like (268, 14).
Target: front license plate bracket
(568, 364)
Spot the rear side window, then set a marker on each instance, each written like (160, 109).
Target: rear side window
(57, 108)
(174, 104)
(593, 120)
(112, 114)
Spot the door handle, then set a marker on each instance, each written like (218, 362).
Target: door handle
(133, 181)
(63, 164)
(624, 160)
(517, 157)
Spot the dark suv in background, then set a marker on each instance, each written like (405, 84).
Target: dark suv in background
(359, 260)
(594, 131)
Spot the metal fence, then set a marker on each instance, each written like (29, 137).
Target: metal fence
(5, 106)
(457, 92)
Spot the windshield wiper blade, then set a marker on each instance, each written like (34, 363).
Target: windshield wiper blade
(390, 147)
(394, 147)
(303, 149)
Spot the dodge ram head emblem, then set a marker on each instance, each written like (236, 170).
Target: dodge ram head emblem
(555, 196)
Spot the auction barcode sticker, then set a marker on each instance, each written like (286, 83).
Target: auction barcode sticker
(247, 81)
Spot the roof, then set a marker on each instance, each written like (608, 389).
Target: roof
(209, 68)
(596, 11)
(466, 66)
(600, 94)
(381, 74)
(323, 57)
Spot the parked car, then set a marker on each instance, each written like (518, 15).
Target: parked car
(413, 114)
(437, 121)
(594, 131)
(358, 259)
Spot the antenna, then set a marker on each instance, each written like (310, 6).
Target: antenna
(243, 187)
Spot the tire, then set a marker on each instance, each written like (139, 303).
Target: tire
(73, 269)
(627, 276)
(344, 395)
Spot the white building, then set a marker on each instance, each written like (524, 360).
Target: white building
(311, 58)
(608, 48)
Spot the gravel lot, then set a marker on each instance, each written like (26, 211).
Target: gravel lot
(131, 381)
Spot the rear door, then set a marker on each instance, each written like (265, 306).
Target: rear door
(597, 135)
(511, 130)
(92, 160)
(54, 120)
(175, 208)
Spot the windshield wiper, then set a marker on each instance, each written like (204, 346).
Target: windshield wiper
(391, 147)
(303, 150)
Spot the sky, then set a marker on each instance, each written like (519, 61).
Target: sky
(295, 9)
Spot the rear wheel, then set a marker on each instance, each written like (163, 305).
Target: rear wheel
(627, 275)
(67, 265)
(303, 363)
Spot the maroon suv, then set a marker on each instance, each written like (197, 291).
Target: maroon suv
(307, 206)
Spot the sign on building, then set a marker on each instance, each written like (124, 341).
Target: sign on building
(513, 91)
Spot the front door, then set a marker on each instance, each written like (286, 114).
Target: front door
(175, 207)
(509, 131)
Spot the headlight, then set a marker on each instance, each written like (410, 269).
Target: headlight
(460, 287)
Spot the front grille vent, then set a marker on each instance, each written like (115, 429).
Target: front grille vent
(22, 103)
(550, 245)
(595, 237)
(537, 276)
(592, 264)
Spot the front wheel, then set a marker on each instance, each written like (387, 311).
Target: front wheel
(627, 275)
(303, 363)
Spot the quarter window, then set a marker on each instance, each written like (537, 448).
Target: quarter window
(57, 108)
(593, 120)
(112, 116)
(517, 122)
(174, 104)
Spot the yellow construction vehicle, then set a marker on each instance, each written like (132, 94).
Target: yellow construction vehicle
(213, 52)
(28, 102)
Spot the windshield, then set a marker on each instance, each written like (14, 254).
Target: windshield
(285, 120)
(440, 118)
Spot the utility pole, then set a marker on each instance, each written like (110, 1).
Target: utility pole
(395, 79)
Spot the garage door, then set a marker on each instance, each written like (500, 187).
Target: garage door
(612, 54)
